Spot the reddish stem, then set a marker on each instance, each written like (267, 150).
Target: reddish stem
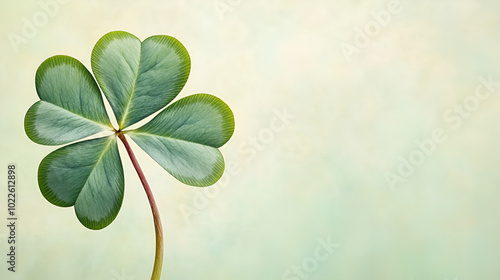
(156, 214)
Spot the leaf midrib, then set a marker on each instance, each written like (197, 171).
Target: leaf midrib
(83, 117)
(174, 138)
(110, 141)
(132, 91)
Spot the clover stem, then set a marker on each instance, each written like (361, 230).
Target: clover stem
(156, 214)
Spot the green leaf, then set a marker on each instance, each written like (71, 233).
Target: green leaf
(138, 78)
(87, 175)
(184, 137)
(71, 105)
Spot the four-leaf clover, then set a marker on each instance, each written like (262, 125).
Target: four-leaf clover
(138, 79)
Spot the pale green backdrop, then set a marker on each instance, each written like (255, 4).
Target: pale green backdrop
(369, 126)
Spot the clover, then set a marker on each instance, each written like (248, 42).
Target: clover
(138, 79)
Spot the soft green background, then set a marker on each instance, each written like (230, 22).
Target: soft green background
(320, 176)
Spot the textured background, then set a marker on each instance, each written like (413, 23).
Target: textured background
(358, 106)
